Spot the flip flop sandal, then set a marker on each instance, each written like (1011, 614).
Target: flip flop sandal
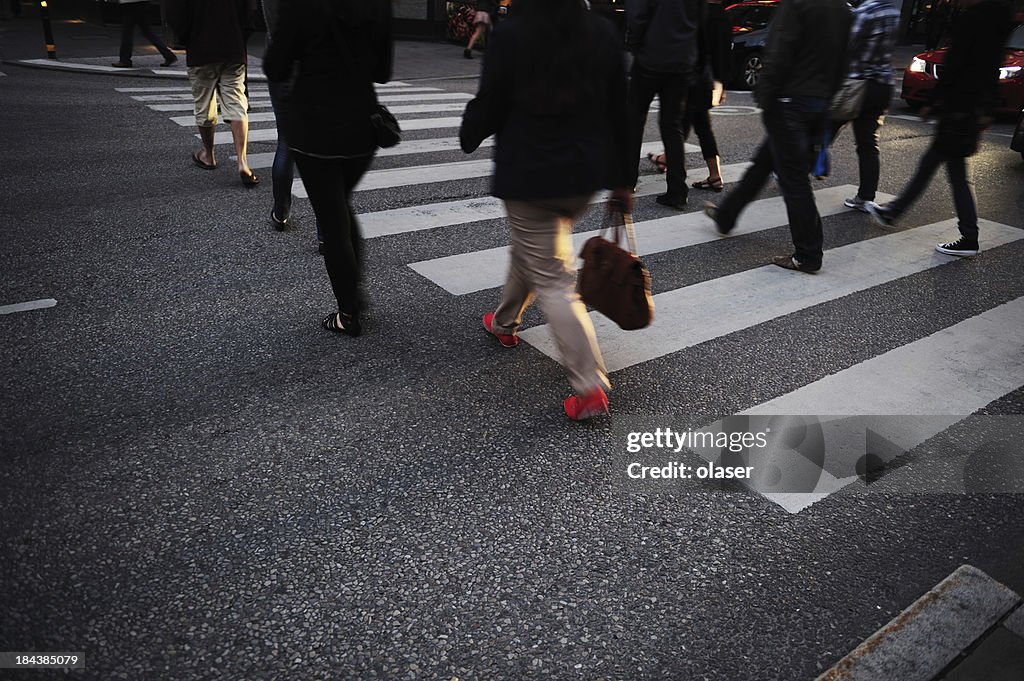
(338, 322)
(709, 185)
(249, 180)
(199, 162)
(660, 165)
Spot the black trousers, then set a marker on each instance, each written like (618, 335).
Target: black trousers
(956, 169)
(793, 127)
(132, 15)
(671, 89)
(329, 183)
(866, 134)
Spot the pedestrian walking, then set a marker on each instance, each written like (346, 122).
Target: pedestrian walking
(133, 13)
(872, 40)
(483, 21)
(283, 171)
(553, 92)
(663, 38)
(339, 49)
(804, 62)
(963, 100)
(214, 33)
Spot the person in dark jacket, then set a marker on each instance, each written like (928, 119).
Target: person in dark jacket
(553, 91)
(804, 63)
(341, 48)
(133, 13)
(964, 99)
(663, 37)
(214, 33)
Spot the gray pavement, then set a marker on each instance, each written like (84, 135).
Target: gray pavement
(198, 483)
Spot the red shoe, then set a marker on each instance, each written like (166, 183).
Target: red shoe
(507, 340)
(592, 404)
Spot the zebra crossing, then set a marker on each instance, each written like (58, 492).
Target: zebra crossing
(706, 311)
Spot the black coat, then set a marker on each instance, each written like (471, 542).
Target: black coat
(543, 154)
(212, 31)
(333, 96)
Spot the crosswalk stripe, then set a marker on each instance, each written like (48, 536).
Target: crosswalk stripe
(256, 95)
(189, 106)
(424, 174)
(449, 213)
(479, 270)
(906, 380)
(701, 312)
(410, 124)
(427, 146)
(186, 88)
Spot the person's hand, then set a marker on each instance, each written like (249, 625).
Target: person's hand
(621, 200)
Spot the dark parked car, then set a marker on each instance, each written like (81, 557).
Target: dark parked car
(750, 22)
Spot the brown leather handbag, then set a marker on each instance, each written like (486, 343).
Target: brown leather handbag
(613, 280)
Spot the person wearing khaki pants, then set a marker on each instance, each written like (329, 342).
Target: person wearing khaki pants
(543, 265)
(553, 92)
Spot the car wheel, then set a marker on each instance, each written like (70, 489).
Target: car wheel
(752, 70)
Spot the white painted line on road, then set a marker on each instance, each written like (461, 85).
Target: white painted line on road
(2, 73)
(479, 270)
(416, 175)
(41, 304)
(423, 97)
(695, 314)
(70, 66)
(449, 213)
(427, 146)
(189, 106)
(187, 88)
(409, 124)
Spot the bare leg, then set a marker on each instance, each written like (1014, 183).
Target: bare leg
(206, 153)
(476, 36)
(240, 136)
(714, 168)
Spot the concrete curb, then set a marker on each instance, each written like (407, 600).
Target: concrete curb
(94, 70)
(927, 637)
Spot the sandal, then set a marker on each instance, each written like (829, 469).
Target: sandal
(658, 161)
(202, 164)
(709, 185)
(249, 180)
(339, 322)
(279, 225)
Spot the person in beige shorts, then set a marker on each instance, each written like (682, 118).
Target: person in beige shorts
(214, 33)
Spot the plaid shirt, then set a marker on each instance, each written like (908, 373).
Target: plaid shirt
(872, 39)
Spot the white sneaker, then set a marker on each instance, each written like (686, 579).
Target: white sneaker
(857, 203)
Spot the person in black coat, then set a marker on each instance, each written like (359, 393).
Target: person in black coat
(342, 48)
(553, 91)
(964, 99)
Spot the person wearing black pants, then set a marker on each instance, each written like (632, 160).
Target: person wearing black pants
(964, 98)
(872, 40)
(133, 13)
(804, 62)
(341, 50)
(663, 37)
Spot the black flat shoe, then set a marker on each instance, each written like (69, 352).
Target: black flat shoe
(340, 322)
(677, 202)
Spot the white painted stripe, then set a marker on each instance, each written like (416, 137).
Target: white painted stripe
(448, 213)
(695, 314)
(25, 307)
(427, 146)
(416, 175)
(943, 378)
(72, 66)
(412, 124)
(187, 88)
(423, 97)
(2, 73)
(189, 106)
(469, 272)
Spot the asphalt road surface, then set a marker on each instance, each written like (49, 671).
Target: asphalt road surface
(199, 482)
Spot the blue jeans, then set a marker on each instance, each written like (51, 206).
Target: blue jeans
(283, 172)
(794, 127)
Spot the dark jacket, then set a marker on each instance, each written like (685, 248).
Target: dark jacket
(560, 152)
(663, 34)
(805, 54)
(341, 47)
(969, 78)
(212, 31)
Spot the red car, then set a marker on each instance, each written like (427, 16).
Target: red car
(920, 77)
